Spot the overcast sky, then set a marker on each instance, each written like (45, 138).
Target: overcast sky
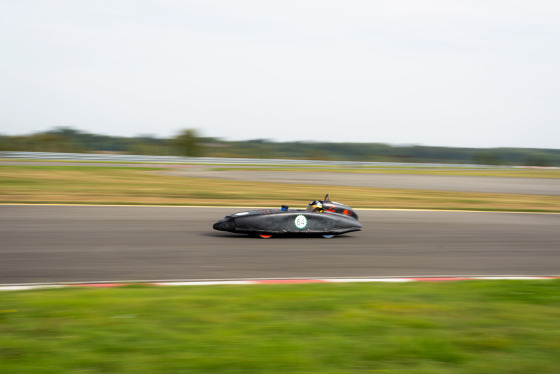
(474, 73)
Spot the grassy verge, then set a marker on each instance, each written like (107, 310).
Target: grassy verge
(117, 185)
(508, 327)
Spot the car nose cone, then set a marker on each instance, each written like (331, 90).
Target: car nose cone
(225, 224)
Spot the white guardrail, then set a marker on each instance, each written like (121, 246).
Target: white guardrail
(217, 160)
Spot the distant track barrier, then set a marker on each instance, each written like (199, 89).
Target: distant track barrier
(218, 160)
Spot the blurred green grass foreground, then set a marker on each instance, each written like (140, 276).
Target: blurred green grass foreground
(482, 327)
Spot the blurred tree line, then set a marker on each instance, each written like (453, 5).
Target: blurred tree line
(189, 143)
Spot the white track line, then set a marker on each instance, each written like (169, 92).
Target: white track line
(248, 207)
(26, 287)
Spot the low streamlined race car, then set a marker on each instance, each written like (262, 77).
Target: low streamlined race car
(322, 217)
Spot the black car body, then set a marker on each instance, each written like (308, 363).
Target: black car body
(322, 217)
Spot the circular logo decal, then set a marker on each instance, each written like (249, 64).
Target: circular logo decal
(300, 221)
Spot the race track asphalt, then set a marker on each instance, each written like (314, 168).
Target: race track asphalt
(507, 185)
(100, 243)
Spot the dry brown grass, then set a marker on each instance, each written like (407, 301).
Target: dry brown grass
(101, 185)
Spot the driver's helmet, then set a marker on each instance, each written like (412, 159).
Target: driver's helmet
(315, 206)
